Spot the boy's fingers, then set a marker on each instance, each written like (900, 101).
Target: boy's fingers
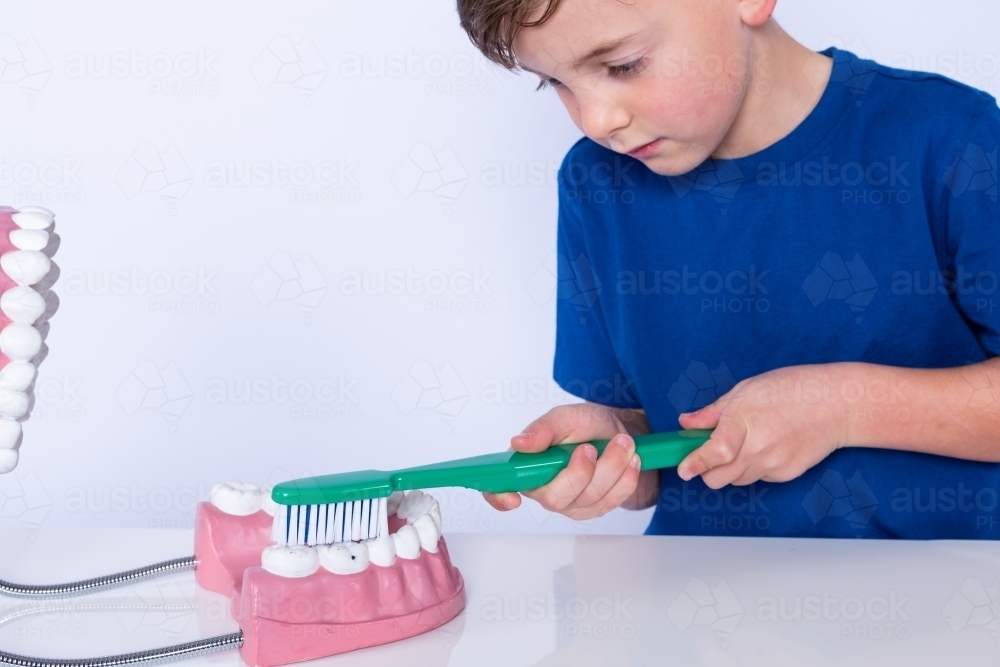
(560, 493)
(721, 449)
(566, 423)
(716, 478)
(624, 487)
(503, 501)
(609, 469)
(705, 418)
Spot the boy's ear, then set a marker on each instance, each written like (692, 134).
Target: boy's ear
(756, 13)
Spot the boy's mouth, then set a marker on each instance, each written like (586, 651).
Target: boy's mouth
(646, 149)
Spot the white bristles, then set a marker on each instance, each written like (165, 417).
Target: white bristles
(309, 525)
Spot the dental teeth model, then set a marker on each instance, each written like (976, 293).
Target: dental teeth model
(341, 597)
(25, 247)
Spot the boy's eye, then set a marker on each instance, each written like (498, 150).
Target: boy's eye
(545, 83)
(633, 67)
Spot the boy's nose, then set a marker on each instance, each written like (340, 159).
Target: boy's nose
(601, 117)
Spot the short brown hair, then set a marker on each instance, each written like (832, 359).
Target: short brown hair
(492, 25)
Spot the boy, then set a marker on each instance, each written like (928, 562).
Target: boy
(796, 249)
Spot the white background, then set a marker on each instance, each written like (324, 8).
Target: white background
(170, 266)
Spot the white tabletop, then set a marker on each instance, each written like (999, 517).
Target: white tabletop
(565, 600)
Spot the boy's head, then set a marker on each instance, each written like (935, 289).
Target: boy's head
(630, 72)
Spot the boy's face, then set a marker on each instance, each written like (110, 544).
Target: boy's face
(678, 80)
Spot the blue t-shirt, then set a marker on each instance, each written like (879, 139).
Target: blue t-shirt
(870, 233)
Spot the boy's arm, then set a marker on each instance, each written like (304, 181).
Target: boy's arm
(775, 426)
(951, 411)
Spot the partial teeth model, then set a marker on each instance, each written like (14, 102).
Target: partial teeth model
(343, 596)
(290, 561)
(237, 498)
(24, 240)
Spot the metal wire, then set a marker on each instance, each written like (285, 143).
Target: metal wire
(154, 657)
(86, 586)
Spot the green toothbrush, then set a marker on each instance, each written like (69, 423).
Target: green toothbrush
(352, 505)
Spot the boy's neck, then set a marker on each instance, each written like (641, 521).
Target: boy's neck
(785, 86)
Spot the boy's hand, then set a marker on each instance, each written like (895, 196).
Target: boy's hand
(589, 486)
(772, 427)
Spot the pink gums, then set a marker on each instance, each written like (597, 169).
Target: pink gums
(288, 620)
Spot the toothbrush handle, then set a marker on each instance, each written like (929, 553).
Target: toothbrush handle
(518, 471)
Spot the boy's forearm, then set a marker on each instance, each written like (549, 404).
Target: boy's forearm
(951, 412)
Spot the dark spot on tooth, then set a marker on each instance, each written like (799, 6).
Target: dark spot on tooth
(353, 558)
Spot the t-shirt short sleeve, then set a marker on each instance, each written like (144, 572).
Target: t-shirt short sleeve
(585, 361)
(973, 229)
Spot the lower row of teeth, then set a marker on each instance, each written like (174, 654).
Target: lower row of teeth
(422, 532)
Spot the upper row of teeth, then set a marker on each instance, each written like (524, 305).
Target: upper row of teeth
(20, 341)
(422, 531)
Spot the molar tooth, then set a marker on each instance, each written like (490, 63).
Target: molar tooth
(25, 266)
(22, 304)
(292, 562)
(346, 558)
(392, 503)
(32, 208)
(29, 239)
(407, 542)
(427, 532)
(10, 432)
(236, 498)
(381, 550)
(8, 460)
(16, 375)
(20, 342)
(32, 219)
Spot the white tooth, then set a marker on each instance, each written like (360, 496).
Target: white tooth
(346, 558)
(20, 342)
(17, 375)
(435, 514)
(393, 501)
(22, 304)
(32, 219)
(37, 209)
(13, 404)
(407, 542)
(420, 505)
(266, 502)
(237, 498)
(293, 562)
(8, 460)
(427, 532)
(381, 550)
(25, 266)
(10, 433)
(29, 239)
